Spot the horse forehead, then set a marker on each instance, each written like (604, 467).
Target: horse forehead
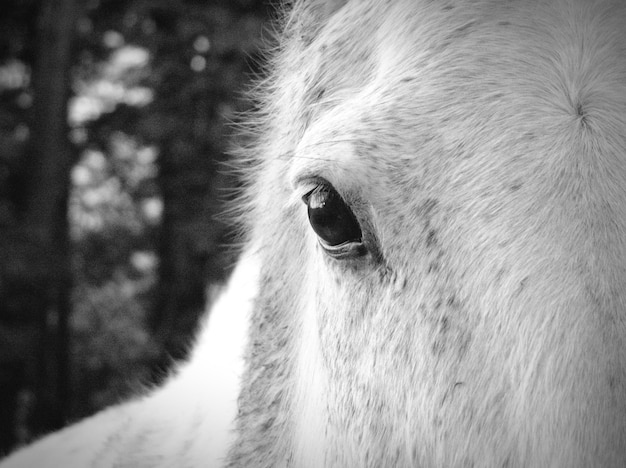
(386, 50)
(474, 79)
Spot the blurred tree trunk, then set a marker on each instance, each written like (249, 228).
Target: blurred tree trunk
(45, 220)
(185, 244)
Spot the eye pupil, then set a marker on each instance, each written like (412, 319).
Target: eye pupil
(330, 217)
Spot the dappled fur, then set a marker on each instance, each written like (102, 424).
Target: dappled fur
(484, 142)
(482, 146)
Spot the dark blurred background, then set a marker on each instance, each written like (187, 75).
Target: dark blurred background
(114, 127)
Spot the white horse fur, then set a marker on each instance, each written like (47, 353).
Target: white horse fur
(481, 145)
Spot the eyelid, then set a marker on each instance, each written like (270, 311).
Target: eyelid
(317, 158)
(305, 184)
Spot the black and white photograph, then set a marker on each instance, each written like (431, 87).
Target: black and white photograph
(313, 234)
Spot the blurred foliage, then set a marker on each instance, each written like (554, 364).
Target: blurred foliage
(155, 84)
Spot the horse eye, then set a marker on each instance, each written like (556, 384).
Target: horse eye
(330, 217)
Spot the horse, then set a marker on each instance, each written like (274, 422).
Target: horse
(434, 271)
